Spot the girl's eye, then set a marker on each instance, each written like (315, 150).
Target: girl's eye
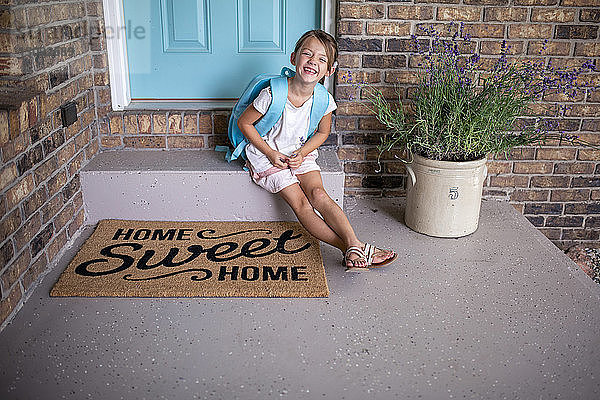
(323, 60)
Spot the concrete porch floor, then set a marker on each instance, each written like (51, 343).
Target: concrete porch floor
(500, 314)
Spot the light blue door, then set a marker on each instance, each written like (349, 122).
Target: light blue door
(210, 49)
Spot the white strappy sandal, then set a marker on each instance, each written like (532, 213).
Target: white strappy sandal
(361, 255)
(369, 252)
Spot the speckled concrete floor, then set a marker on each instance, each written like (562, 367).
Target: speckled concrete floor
(501, 314)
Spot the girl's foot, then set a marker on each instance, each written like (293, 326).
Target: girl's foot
(355, 259)
(379, 257)
(367, 256)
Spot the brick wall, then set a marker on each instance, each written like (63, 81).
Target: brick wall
(48, 54)
(556, 187)
(168, 129)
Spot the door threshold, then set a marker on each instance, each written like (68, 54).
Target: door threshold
(157, 105)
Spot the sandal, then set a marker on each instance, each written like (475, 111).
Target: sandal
(369, 252)
(361, 255)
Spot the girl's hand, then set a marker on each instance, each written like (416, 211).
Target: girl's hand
(278, 159)
(295, 160)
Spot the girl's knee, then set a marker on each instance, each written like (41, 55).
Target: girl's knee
(319, 198)
(299, 202)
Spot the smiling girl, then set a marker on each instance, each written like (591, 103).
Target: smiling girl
(284, 161)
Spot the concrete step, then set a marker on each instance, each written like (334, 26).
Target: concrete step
(186, 185)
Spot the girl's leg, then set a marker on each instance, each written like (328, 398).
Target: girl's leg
(334, 216)
(301, 206)
(312, 185)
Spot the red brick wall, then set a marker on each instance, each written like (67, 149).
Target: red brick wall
(172, 129)
(48, 51)
(556, 187)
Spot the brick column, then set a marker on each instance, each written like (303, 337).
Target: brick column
(45, 61)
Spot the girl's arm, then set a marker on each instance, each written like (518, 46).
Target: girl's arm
(246, 124)
(314, 142)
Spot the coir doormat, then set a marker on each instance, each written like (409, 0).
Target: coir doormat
(196, 259)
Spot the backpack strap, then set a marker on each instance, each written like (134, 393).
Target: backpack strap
(319, 106)
(239, 150)
(279, 92)
(279, 89)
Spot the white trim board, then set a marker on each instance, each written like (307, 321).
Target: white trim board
(118, 66)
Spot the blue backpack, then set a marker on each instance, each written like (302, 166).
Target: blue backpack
(279, 91)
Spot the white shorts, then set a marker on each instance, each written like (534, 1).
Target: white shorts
(275, 179)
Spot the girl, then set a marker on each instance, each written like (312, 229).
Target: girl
(284, 162)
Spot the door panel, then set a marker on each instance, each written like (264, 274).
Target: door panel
(185, 26)
(210, 49)
(261, 26)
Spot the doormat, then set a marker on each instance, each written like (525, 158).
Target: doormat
(196, 259)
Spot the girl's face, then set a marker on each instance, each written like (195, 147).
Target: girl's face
(311, 61)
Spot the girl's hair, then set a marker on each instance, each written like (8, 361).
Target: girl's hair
(331, 48)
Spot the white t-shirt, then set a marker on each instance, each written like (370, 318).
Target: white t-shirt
(288, 134)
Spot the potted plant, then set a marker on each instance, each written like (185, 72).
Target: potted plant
(460, 113)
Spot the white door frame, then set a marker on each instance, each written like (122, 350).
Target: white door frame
(118, 66)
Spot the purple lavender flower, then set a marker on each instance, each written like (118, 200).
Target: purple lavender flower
(456, 94)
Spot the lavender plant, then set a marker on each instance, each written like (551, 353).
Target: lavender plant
(461, 111)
